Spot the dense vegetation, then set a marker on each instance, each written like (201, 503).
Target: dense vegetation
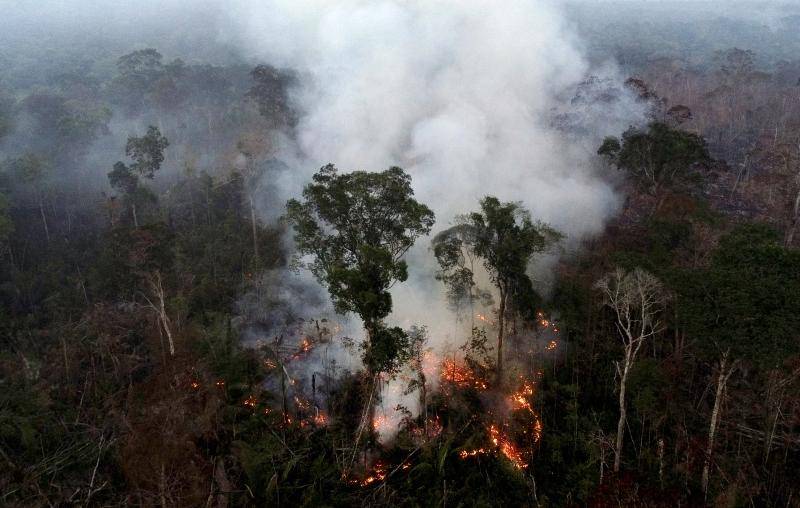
(667, 365)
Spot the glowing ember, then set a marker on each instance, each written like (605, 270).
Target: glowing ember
(305, 347)
(507, 447)
(321, 419)
(465, 454)
(461, 375)
(551, 345)
(195, 385)
(378, 474)
(519, 401)
(220, 383)
(381, 424)
(430, 363)
(251, 401)
(302, 403)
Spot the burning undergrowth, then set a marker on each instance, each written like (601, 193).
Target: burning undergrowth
(314, 379)
(301, 343)
(468, 408)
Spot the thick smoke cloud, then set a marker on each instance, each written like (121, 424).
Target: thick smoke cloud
(460, 94)
(457, 93)
(466, 96)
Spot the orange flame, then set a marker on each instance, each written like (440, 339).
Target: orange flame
(461, 375)
(507, 447)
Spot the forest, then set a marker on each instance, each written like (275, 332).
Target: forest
(387, 253)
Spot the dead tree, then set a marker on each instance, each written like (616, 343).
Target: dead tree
(637, 299)
(157, 302)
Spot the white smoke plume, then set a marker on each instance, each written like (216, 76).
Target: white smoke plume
(461, 94)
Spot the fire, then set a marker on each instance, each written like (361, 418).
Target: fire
(301, 403)
(507, 447)
(519, 401)
(305, 347)
(461, 375)
(380, 423)
(321, 419)
(430, 363)
(251, 401)
(195, 385)
(378, 474)
(551, 345)
(465, 454)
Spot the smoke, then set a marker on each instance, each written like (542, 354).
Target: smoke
(470, 97)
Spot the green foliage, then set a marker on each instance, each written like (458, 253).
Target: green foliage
(147, 152)
(123, 179)
(506, 239)
(388, 349)
(656, 157)
(270, 93)
(357, 226)
(454, 250)
(745, 302)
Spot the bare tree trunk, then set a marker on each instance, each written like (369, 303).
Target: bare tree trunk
(423, 399)
(44, 219)
(501, 318)
(722, 380)
(623, 381)
(157, 288)
(135, 218)
(661, 461)
(254, 227)
(789, 238)
(66, 360)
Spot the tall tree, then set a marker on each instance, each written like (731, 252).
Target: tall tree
(356, 227)
(147, 153)
(505, 237)
(636, 299)
(657, 157)
(453, 251)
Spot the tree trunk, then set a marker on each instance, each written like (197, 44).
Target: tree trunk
(423, 399)
(501, 315)
(44, 220)
(661, 462)
(789, 238)
(135, 218)
(722, 380)
(622, 412)
(160, 308)
(254, 227)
